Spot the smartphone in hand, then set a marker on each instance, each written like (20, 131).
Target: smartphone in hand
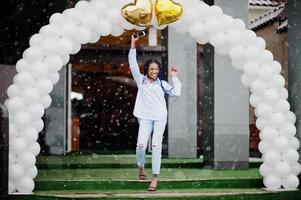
(138, 35)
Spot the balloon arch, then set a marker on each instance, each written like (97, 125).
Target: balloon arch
(49, 50)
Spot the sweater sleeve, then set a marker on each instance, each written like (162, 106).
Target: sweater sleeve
(134, 66)
(175, 88)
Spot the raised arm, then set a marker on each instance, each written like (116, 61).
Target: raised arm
(134, 67)
(175, 88)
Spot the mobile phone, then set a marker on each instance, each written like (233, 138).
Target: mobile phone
(138, 35)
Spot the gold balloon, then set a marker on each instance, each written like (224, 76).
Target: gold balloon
(167, 11)
(139, 13)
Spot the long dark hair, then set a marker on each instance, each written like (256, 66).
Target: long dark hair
(160, 75)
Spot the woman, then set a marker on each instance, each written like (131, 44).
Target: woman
(150, 109)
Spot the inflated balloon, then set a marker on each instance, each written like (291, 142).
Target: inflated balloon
(272, 181)
(290, 182)
(138, 13)
(167, 11)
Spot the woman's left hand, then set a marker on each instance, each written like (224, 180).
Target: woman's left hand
(173, 71)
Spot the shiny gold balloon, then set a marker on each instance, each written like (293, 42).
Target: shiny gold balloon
(167, 11)
(139, 13)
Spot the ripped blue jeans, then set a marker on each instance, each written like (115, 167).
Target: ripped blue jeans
(146, 127)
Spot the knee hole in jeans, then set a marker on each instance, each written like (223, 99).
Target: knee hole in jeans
(140, 146)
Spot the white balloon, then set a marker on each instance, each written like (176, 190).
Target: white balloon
(261, 123)
(65, 46)
(290, 182)
(204, 39)
(277, 81)
(39, 69)
(22, 119)
(94, 38)
(33, 54)
(36, 40)
(15, 105)
(266, 56)
(272, 181)
(83, 6)
(276, 67)
(238, 64)
(196, 29)
(126, 25)
(277, 120)
(56, 19)
(54, 77)
(11, 158)
(268, 134)
(13, 91)
(282, 169)
(44, 86)
(84, 35)
(25, 185)
(272, 157)
(104, 27)
(32, 172)
(31, 95)
(218, 39)
(26, 159)
(54, 63)
(16, 172)
(260, 42)
(238, 24)
(291, 117)
(68, 30)
(90, 20)
(255, 100)
(113, 15)
(46, 101)
(38, 125)
(281, 143)
(264, 111)
(283, 93)
(296, 169)
(249, 36)
(266, 72)
(50, 31)
(65, 58)
(265, 170)
(24, 80)
(29, 135)
(282, 106)
(99, 7)
(11, 187)
(76, 48)
(227, 22)
(17, 146)
(294, 143)
(264, 147)
(117, 30)
(247, 80)
(35, 148)
(73, 15)
(36, 111)
(271, 95)
(22, 65)
(291, 156)
(49, 45)
(252, 52)
(251, 69)
(237, 52)
(212, 26)
(216, 11)
(259, 87)
(13, 132)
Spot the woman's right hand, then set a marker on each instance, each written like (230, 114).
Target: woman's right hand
(133, 42)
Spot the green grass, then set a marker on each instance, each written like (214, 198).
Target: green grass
(131, 174)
